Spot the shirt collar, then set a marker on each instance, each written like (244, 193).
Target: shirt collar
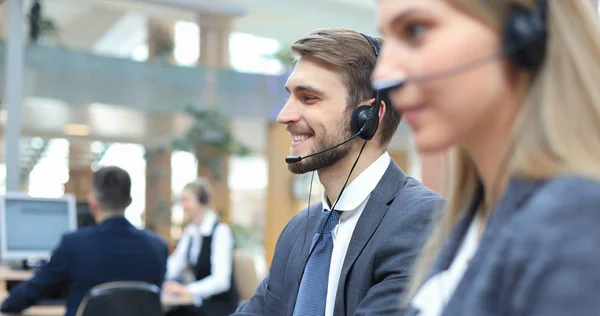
(361, 187)
(208, 222)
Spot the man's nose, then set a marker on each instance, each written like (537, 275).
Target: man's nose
(288, 113)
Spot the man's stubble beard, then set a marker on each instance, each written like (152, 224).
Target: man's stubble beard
(329, 158)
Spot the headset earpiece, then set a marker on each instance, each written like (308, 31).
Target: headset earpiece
(365, 118)
(525, 35)
(202, 198)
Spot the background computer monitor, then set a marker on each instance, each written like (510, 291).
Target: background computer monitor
(31, 227)
(84, 215)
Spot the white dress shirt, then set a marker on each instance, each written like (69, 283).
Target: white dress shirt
(221, 259)
(351, 203)
(433, 296)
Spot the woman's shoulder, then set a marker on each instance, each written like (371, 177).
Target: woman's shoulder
(564, 211)
(570, 196)
(222, 227)
(553, 254)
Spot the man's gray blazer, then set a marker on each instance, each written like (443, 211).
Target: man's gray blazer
(378, 262)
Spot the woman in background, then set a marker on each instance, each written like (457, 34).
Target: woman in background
(514, 87)
(206, 250)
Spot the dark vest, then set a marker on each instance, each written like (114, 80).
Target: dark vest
(219, 304)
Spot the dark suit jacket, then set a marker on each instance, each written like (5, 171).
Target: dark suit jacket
(114, 250)
(539, 255)
(378, 261)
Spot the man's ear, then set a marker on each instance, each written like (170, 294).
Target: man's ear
(382, 111)
(93, 203)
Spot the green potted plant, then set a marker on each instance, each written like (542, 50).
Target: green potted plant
(284, 55)
(209, 137)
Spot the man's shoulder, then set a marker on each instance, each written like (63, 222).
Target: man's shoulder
(302, 217)
(154, 237)
(92, 233)
(79, 234)
(414, 197)
(299, 222)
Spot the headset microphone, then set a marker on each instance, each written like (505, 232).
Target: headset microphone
(385, 85)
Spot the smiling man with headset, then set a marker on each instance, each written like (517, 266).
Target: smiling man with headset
(356, 259)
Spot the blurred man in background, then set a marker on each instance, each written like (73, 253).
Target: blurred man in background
(113, 250)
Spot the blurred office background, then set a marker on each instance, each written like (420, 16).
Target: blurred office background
(167, 90)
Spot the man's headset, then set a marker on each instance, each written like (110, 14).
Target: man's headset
(523, 42)
(365, 118)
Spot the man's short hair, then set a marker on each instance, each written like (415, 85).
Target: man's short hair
(352, 54)
(112, 188)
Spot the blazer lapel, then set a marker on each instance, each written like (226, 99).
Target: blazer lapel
(299, 254)
(375, 209)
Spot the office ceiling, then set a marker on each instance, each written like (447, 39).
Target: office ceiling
(83, 22)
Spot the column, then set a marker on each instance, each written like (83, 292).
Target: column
(214, 52)
(25, 185)
(3, 17)
(401, 159)
(80, 171)
(13, 92)
(157, 214)
(214, 39)
(158, 193)
(281, 205)
(218, 178)
(80, 182)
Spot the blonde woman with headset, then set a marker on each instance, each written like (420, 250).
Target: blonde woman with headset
(205, 250)
(514, 88)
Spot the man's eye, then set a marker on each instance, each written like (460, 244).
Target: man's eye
(309, 99)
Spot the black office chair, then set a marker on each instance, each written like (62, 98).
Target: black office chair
(127, 298)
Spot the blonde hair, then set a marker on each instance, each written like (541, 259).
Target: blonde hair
(559, 125)
(202, 190)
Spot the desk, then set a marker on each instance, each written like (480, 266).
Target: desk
(8, 274)
(41, 311)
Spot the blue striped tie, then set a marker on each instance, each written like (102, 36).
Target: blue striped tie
(312, 294)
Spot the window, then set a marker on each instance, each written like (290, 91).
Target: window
(254, 54)
(187, 43)
(48, 176)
